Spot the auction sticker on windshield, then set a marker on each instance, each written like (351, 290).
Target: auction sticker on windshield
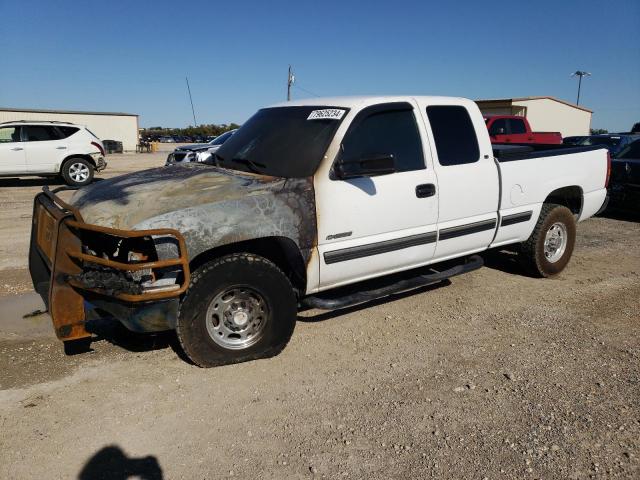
(327, 114)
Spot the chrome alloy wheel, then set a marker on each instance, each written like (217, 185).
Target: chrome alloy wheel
(236, 317)
(79, 172)
(555, 242)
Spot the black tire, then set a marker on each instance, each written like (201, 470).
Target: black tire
(71, 172)
(532, 252)
(230, 273)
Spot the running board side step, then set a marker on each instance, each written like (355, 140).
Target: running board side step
(326, 302)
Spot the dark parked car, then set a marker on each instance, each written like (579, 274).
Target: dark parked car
(198, 152)
(614, 142)
(624, 187)
(112, 146)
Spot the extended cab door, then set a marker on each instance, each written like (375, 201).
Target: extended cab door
(372, 225)
(12, 157)
(43, 147)
(468, 181)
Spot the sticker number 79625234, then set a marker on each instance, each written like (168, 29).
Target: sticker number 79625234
(326, 114)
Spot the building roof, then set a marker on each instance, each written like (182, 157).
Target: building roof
(521, 99)
(77, 112)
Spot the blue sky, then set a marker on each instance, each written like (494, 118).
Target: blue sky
(133, 56)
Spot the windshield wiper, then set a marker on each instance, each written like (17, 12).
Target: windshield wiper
(255, 167)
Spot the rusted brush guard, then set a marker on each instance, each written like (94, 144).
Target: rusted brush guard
(57, 258)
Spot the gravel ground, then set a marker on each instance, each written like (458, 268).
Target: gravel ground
(491, 375)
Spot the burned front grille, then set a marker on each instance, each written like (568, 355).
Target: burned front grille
(63, 248)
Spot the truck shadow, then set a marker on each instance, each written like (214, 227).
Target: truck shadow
(324, 315)
(112, 463)
(113, 332)
(505, 261)
(620, 214)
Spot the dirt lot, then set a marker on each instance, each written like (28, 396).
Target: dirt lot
(491, 375)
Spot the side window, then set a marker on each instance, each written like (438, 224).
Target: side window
(498, 127)
(9, 134)
(40, 133)
(517, 126)
(66, 132)
(392, 132)
(453, 134)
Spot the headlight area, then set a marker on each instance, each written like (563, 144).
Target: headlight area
(130, 265)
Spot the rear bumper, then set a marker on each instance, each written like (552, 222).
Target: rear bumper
(101, 164)
(58, 257)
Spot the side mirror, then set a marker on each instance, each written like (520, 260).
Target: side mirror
(370, 166)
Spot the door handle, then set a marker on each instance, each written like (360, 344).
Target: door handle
(425, 190)
(61, 148)
(16, 149)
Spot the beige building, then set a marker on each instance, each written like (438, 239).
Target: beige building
(122, 127)
(545, 114)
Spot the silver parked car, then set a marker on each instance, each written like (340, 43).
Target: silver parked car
(198, 152)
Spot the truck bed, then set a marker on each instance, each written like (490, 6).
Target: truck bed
(509, 152)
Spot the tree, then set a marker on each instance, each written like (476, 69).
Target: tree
(598, 131)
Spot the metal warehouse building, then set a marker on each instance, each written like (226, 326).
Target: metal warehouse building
(547, 114)
(122, 127)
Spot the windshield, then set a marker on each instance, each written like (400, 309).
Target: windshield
(220, 139)
(630, 151)
(282, 141)
(608, 141)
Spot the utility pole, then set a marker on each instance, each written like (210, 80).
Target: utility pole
(580, 74)
(195, 124)
(290, 79)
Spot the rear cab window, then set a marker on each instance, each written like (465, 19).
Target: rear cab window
(517, 126)
(453, 134)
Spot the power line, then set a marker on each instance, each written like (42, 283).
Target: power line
(307, 91)
(195, 124)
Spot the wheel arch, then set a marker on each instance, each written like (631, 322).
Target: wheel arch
(571, 197)
(70, 157)
(282, 251)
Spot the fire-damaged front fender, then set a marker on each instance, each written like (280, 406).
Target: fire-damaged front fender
(287, 213)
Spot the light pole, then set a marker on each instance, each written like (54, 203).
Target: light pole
(580, 74)
(290, 79)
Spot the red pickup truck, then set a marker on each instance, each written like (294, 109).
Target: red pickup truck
(515, 129)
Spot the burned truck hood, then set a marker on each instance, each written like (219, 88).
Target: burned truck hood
(124, 202)
(210, 206)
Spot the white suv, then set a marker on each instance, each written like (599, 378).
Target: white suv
(50, 148)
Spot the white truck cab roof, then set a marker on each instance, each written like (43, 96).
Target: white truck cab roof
(365, 100)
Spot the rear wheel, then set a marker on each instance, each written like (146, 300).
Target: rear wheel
(239, 307)
(77, 172)
(549, 248)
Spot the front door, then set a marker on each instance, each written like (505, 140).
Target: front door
(12, 157)
(373, 225)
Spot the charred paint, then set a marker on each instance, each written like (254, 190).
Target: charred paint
(208, 205)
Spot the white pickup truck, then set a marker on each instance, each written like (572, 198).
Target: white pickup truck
(321, 203)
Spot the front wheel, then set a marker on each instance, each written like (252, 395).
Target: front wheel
(239, 307)
(548, 250)
(77, 172)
